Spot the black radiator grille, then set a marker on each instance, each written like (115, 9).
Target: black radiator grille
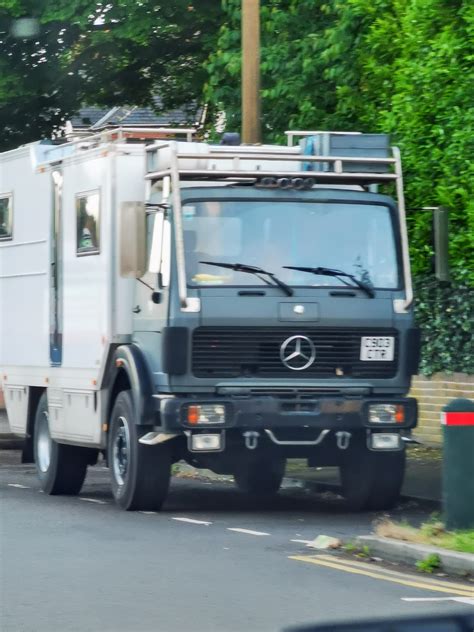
(255, 352)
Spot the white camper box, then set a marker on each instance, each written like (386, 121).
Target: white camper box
(91, 306)
(63, 304)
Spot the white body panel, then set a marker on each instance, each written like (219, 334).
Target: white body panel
(24, 264)
(16, 400)
(96, 303)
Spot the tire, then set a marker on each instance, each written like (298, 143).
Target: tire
(260, 476)
(356, 478)
(61, 468)
(388, 481)
(140, 474)
(371, 480)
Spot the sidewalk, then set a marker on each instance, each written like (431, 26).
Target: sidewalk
(423, 478)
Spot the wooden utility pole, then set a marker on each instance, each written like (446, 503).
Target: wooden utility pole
(251, 127)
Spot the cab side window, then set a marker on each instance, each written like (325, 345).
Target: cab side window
(88, 223)
(6, 217)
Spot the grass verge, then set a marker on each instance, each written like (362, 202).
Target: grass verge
(432, 532)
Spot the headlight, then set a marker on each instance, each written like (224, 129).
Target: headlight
(386, 413)
(385, 441)
(205, 414)
(206, 443)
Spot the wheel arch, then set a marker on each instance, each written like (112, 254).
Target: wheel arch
(130, 372)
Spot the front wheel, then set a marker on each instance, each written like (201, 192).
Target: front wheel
(260, 475)
(140, 474)
(61, 468)
(371, 480)
(389, 474)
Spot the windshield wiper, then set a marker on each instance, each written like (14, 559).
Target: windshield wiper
(338, 274)
(242, 267)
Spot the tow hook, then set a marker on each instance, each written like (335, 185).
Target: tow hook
(343, 439)
(251, 439)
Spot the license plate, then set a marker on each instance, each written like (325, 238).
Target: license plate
(377, 348)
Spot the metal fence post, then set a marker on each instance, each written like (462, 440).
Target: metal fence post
(458, 464)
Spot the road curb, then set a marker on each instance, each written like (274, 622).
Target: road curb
(399, 551)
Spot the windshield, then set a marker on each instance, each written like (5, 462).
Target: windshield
(355, 238)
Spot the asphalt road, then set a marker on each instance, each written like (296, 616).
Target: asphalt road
(210, 561)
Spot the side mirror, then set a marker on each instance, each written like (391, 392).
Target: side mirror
(132, 240)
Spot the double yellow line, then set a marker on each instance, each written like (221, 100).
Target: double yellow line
(388, 575)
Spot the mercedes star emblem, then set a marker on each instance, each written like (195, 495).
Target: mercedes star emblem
(298, 353)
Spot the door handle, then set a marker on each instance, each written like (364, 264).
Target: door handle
(137, 309)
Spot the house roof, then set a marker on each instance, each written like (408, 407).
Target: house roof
(136, 116)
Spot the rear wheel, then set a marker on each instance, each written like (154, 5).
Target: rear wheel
(371, 480)
(260, 475)
(61, 468)
(140, 474)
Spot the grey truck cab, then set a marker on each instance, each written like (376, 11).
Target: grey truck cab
(273, 318)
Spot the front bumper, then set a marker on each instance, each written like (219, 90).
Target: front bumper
(334, 413)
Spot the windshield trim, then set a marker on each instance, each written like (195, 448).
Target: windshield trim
(388, 203)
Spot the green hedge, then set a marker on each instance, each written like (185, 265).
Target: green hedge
(445, 315)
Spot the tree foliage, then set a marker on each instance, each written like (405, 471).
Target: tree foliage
(101, 53)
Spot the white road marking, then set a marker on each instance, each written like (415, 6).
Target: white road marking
(149, 513)
(466, 600)
(247, 531)
(18, 486)
(94, 500)
(302, 541)
(192, 521)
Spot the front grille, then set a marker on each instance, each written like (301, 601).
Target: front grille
(225, 352)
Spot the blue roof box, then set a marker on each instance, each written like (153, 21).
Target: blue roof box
(347, 144)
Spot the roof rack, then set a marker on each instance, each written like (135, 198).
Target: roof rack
(366, 160)
(45, 153)
(235, 166)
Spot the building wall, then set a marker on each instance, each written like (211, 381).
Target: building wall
(433, 393)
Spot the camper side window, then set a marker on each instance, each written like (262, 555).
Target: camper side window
(6, 217)
(88, 223)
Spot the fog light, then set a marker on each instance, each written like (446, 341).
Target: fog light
(385, 441)
(206, 442)
(386, 414)
(206, 414)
